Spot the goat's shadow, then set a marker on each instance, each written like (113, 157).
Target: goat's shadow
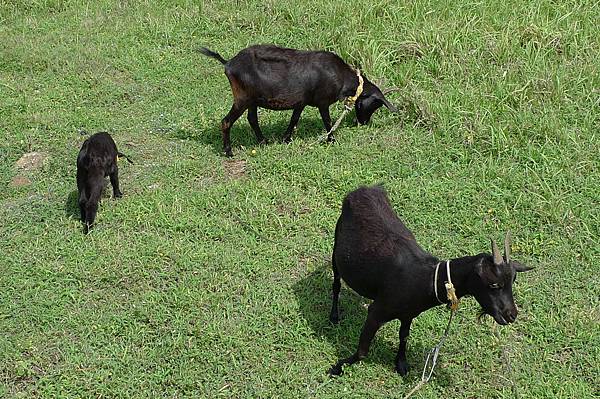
(313, 293)
(72, 205)
(310, 127)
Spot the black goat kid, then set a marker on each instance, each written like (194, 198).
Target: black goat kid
(96, 160)
(282, 78)
(379, 258)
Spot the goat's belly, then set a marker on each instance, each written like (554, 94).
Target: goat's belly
(361, 279)
(277, 103)
(363, 290)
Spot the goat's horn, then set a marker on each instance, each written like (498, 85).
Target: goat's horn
(507, 247)
(391, 90)
(496, 253)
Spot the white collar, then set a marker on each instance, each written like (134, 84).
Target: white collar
(435, 279)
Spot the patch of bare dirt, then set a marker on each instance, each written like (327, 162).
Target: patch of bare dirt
(19, 181)
(234, 168)
(31, 161)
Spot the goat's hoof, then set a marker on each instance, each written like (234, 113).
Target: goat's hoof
(228, 153)
(334, 318)
(402, 368)
(263, 141)
(335, 370)
(117, 195)
(330, 139)
(287, 139)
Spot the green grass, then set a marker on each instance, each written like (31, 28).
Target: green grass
(199, 283)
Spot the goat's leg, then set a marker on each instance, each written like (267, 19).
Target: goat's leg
(253, 120)
(82, 201)
(81, 191)
(401, 364)
(293, 123)
(95, 186)
(334, 316)
(372, 324)
(324, 111)
(234, 113)
(114, 181)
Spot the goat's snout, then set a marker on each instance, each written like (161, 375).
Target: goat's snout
(507, 315)
(510, 314)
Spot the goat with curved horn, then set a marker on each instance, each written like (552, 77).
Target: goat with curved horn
(378, 257)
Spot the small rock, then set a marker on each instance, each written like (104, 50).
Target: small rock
(31, 160)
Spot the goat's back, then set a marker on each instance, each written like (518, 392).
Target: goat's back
(372, 246)
(98, 151)
(268, 57)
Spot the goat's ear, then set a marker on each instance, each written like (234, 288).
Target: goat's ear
(389, 105)
(519, 267)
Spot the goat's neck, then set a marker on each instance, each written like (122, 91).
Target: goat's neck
(460, 270)
(350, 83)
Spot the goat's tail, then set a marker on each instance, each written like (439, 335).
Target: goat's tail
(120, 154)
(212, 54)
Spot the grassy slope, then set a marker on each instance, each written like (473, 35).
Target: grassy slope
(199, 284)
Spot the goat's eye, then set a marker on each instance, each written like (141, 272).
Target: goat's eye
(495, 286)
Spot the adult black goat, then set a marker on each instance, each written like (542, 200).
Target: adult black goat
(282, 78)
(379, 258)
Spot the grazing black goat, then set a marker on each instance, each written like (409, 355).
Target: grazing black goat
(379, 258)
(96, 160)
(282, 78)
